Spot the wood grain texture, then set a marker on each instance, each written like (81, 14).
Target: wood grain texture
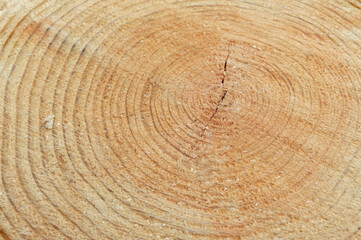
(180, 119)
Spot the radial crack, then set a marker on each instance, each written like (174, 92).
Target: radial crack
(222, 82)
(215, 111)
(218, 105)
(223, 94)
(225, 69)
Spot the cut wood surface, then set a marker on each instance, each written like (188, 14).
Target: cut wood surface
(180, 119)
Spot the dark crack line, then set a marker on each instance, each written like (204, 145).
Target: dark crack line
(224, 91)
(225, 69)
(218, 105)
(215, 111)
(223, 94)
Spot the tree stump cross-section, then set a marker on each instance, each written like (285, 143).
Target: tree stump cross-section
(180, 119)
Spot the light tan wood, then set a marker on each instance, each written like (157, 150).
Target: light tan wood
(180, 119)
